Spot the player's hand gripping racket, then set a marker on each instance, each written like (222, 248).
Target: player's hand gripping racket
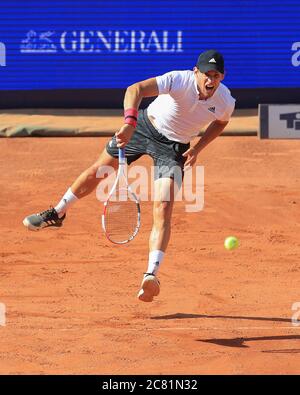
(121, 217)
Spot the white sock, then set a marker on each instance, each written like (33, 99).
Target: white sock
(66, 202)
(155, 259)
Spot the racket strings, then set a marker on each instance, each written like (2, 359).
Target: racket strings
(121, 217)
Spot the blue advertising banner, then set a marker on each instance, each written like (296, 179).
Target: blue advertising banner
(112, 44)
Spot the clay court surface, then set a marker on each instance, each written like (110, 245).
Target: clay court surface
(70, 295)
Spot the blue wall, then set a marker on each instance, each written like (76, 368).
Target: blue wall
(111, 44)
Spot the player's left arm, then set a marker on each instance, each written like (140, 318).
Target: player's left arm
(213, 130)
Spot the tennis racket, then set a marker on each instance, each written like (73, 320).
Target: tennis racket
(121, 217)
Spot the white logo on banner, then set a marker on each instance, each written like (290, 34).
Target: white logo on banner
(40, 43)
(113, 41)
(2, 54)
(296, 56)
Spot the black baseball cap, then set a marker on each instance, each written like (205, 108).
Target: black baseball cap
(210, 60)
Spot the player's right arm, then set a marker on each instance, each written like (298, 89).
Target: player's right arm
(136, 92)
(133, 97)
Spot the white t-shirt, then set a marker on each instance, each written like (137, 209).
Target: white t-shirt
(177, 111)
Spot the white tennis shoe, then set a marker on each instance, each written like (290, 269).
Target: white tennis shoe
(150, 287)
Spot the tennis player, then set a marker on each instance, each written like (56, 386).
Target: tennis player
(186, 102)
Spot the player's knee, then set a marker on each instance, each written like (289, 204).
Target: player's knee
(91, 172)
(163, 211)
(99, 172)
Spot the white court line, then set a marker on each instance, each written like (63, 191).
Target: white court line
(184, 328)
(231, 329)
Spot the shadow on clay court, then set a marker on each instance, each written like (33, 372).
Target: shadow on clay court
(239, 341)
(284, 351)
(183, 315)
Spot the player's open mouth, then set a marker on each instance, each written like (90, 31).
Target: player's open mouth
(209, 87)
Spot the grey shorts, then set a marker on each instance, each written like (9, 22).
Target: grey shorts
(166, 154)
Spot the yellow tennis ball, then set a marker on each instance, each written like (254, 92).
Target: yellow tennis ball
(231, 243)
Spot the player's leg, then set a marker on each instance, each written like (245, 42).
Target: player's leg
(159, 236)
(82, 186)
(88, 180)
(162, 213)
(169, 163)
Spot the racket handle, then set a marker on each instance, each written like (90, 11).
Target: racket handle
(121, 155)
